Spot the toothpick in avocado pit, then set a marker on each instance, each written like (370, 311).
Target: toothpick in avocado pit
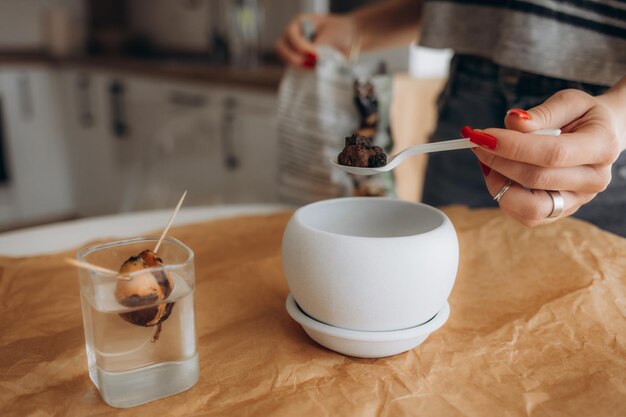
(169, 223)
(127, 276)
(96, 268)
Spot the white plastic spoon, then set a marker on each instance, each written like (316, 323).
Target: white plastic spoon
(447, 145)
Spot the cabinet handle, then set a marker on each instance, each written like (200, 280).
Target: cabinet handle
(118, 112)
(231, 161)
(4, 168)
(85, 116)
(26, 98)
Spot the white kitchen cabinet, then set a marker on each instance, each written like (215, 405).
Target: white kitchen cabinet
(249, 139)
(97, 149)
(217, 143)
(39, 187)
(175, 130)
(93, 142)
(8, 203)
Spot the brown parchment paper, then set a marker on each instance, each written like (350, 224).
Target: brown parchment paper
(537, 328)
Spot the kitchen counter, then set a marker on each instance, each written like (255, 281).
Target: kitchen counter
(265, 77)
(55, 237)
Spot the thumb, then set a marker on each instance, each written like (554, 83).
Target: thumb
(557, 111)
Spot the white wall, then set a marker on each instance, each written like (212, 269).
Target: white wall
(186, 25)
(22, 21)
(171, 24)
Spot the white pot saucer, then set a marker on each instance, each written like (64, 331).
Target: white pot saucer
(366, 344)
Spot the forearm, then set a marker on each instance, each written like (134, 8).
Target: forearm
(615, 98)
(388, 24)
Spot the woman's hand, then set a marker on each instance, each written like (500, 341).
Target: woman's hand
(333, 30)
(577, 163)
(382, 24)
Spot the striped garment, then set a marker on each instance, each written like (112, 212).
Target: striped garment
(577, 40)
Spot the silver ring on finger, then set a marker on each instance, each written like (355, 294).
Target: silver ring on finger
(503, 190)
(558, 203)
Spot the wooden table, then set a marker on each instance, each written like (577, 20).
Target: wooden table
(537, 327)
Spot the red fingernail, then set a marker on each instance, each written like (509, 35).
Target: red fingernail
(522, 114)
(485, 168)
(466, 131)
(310, 60)
(483, 139)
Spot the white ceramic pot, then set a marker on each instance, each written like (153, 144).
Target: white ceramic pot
(374, 264)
